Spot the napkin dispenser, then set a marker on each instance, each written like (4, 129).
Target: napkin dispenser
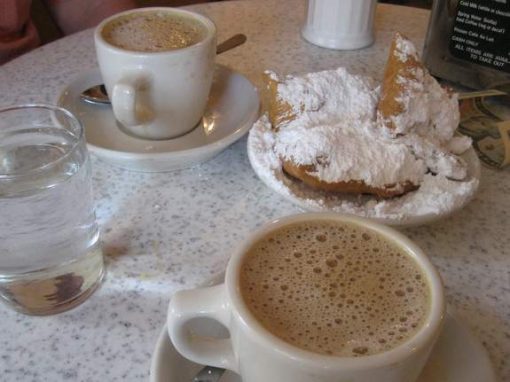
(468, 42)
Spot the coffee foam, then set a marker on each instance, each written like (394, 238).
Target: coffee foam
(153, 32)
(334, 289)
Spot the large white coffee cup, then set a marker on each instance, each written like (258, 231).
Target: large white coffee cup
(158, 95)
(257, 355)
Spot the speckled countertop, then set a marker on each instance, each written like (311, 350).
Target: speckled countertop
(167, 231)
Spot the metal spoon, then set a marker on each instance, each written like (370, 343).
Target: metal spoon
(230, 43)
(481, 93)
(97, 94)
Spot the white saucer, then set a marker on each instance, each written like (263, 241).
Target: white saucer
(457, 357)
(413, 208)
(232, 108)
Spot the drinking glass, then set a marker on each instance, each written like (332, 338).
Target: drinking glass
(50, 255)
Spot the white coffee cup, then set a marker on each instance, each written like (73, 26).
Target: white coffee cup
(340, 24)
(258, 355)
(158, 95)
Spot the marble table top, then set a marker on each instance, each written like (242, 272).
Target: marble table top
(167, 231)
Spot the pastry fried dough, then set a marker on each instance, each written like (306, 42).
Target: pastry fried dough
(315, 99)
(402, 68)
(279, 111)
(305, 174)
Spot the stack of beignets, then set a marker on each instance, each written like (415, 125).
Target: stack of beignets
(339, 132)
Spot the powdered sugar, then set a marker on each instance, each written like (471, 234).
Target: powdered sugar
(349, 150)
(405, 48)
(459, 144)
(319, 97)
(438, 159)
(428, 110)
(334, 128)
(437, 196)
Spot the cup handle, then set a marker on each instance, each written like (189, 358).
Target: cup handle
(206, 302)
(126, 104)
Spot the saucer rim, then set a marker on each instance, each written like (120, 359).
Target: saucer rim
(219, 278)
(114, 156)
(474, 166)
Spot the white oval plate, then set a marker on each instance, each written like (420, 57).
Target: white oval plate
(458, 356)
(398, 211)
(232, 109)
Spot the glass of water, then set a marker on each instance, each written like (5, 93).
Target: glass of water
(50, 255)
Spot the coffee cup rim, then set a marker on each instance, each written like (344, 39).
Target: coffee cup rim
(426, 334)
(207, 22)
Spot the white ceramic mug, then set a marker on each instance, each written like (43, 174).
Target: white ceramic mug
(340, 24)
(158, 95)
(257, 355)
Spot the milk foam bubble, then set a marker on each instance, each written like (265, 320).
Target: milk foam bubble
(153, 31)
(335, 288)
